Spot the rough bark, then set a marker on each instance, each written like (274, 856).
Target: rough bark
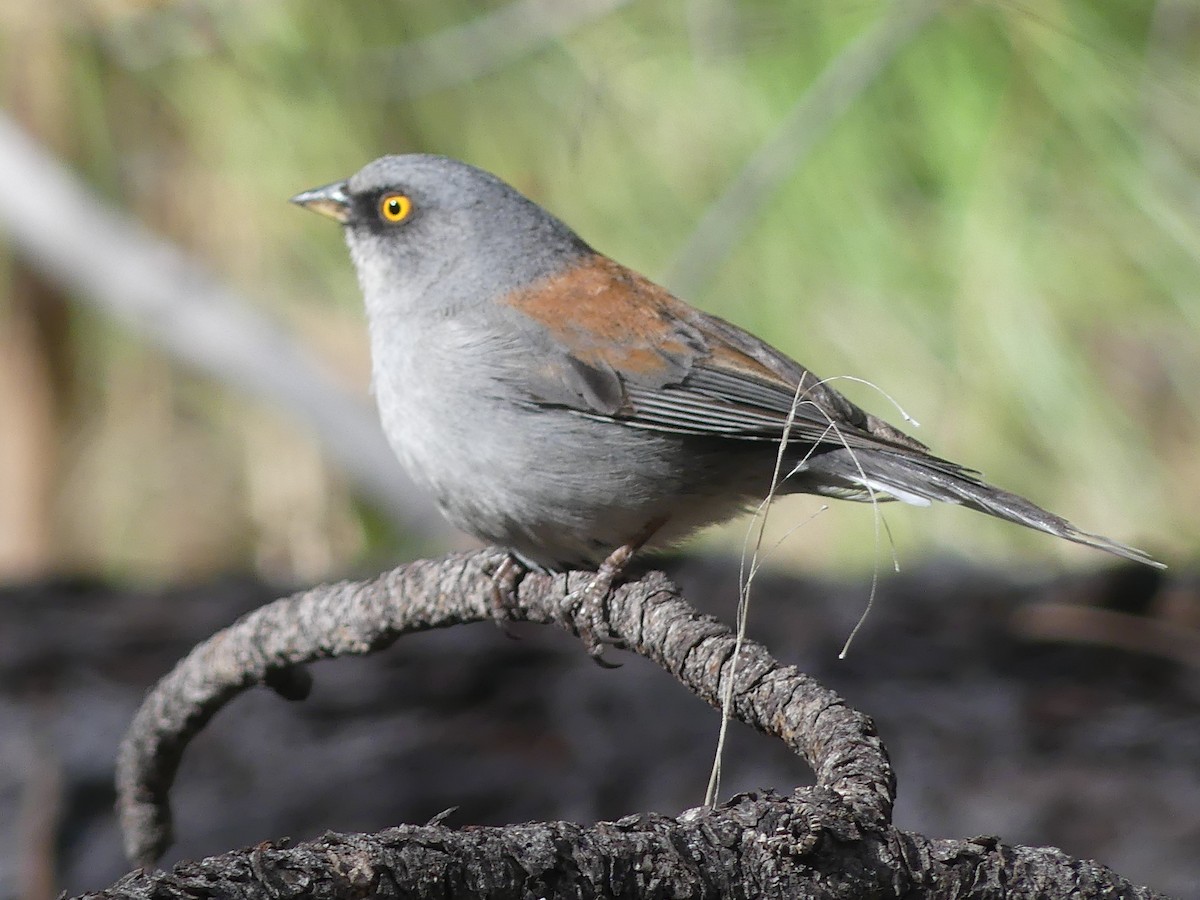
(832, 840)
(752, 847)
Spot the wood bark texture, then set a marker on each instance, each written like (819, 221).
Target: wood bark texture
(834, 839)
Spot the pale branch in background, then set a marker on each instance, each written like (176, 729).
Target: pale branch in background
(470, 51)
(111, 262)
(826, 100)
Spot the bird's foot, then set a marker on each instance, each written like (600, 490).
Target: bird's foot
(506, 580)
(586, 610)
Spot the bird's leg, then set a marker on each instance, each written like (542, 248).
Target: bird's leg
(587, 607)
(506, 579)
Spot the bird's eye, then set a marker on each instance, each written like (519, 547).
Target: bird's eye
(394, 207)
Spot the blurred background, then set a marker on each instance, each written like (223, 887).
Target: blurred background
(991, 210)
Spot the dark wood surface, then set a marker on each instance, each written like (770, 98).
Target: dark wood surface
(993, 730)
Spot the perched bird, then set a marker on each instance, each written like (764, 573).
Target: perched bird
(568, 409)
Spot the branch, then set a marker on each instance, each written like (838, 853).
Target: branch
(830, 840)
(751, 847)
(355, 618)
(488, 43)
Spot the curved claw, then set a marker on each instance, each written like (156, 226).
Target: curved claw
(587, 611)
(596, 640)
(596, 652)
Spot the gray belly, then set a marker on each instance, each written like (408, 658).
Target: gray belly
(556, 487)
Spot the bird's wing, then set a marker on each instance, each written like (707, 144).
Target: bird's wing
(619, 346)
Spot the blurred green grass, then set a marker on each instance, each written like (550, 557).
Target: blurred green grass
(1003, 233)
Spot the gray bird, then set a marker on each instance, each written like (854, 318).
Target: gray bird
(564, 407)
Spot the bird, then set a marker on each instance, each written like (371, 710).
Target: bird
(572, 411)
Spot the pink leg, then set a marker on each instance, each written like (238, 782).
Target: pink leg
(505, 581)
(588, 605)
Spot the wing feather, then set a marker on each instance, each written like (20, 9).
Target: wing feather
(611, 344)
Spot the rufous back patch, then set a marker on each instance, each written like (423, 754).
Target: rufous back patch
(606, 314)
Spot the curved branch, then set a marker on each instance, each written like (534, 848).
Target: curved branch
(831, 840)
(351, 618)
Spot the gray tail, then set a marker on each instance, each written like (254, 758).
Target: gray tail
(918, 480)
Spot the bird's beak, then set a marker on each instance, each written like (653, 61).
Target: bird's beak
(332, 200)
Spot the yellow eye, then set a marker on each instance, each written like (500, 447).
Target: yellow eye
(394, 207)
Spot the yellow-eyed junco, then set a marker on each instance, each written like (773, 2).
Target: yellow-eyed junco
(564, 407)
